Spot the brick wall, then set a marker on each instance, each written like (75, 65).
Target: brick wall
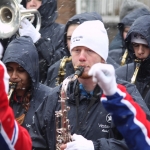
(66, 9)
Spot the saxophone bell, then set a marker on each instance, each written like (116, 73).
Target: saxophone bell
(11, 16)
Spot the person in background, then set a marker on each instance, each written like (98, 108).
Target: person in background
(12, 135)
(56, 73)
(138, 44)
(89, 122)
(127, 7)
(21, 60)
(127, 115)
(121, 55)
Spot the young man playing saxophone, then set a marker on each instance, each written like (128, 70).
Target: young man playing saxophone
(91, 125)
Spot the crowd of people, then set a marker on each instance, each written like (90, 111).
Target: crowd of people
(65, 87)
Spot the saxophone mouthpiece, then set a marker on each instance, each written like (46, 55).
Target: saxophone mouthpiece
(79, 70)
(12, 85)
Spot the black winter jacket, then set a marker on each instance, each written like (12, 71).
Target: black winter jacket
(142, 80)
(94, 123)
(22, 51)
(116, 42)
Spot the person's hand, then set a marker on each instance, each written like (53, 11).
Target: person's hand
(1, 50)
(21, 7)
(79, 143)
(19, 1)
(27, 29)
(104, 75)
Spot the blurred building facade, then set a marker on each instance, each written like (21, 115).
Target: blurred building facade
(109, 9)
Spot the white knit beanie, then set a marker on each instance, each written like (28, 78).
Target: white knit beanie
(93, 35)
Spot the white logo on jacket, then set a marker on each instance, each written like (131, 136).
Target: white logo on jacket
(28, 125)
(109, 118)
(105, 128)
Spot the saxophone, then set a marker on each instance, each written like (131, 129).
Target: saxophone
(136, 71)
(63, 134)
(62, 71)
(124, 57)
(12, 86)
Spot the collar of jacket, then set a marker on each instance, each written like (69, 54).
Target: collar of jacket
(74, 91)
(84, 92)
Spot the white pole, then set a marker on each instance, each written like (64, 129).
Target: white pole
(78, 6)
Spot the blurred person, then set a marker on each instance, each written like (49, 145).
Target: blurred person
(88, 119)
(21, 60)
(127, 115)
(138, 44)
(50, 46)
(58, 71)
(48, 40)
(121, 56)
(33, 4)
(12, 135)
(127, 7)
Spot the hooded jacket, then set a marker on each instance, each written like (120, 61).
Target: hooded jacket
(12, 135)
(22, 51)
(50, 46)
(140, 26)
(127, 21)
(69, 69)
(87, 117)
(127, 7)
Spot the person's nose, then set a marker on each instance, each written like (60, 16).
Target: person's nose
(82, 56)
(140, 50)
(14, 75)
